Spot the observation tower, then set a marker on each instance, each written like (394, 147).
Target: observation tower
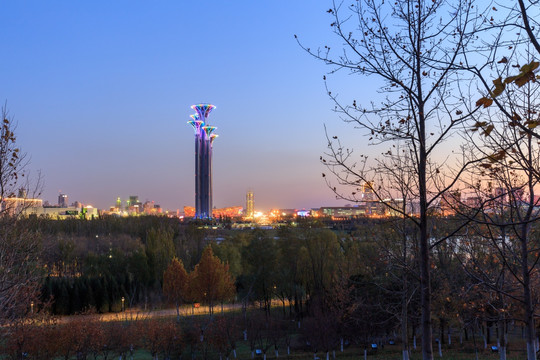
(204, 138)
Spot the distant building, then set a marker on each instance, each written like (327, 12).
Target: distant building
(279, 214)
(336, 212)
(229, 212)
(473, 201)
(150, 208)
(450, 202)
(499, 196)
(61, 213)
(63, 200)
(367, 191)
(304, 213)
(189, 211)
(250, 205)
(134, 206)
(133, 200)
(15, 206)
(517, 194)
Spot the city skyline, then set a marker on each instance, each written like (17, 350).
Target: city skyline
(101, 93)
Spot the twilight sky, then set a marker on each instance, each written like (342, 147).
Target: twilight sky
(101, 91)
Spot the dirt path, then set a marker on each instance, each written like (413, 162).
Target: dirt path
(139, 314)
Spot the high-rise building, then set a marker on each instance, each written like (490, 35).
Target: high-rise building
(134, 206)
(62, 200)
(250, 204)
(204, 139)
(133, 200)
(367, 191)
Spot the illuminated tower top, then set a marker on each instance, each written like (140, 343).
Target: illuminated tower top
(203, 110)
(208, 130)
(197, 124)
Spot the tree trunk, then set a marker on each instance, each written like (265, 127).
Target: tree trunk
(502, 352)
(530, 331)
(404, 303)
(441, 330)
(405, 355)
(475, 347)
(501, 329)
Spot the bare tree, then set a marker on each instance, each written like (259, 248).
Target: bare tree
(415, 48)
(19, 247)
(511, 174)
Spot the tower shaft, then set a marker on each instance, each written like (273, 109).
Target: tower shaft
(203, 160)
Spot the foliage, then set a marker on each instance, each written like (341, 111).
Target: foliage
(176, 283)
(211, 281)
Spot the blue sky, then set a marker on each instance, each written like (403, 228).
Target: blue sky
(101, 91)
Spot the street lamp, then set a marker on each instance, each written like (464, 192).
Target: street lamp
(123, 308)
(32, 307)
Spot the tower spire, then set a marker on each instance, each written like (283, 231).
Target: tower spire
(204, 138)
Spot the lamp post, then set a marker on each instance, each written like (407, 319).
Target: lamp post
(32, 307)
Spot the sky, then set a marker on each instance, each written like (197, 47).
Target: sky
(101, 92)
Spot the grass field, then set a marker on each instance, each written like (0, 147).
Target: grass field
(390, 352)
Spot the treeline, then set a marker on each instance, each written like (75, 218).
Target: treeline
(362, 283)
(93, 264)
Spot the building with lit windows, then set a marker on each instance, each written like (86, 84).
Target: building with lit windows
(62, 200)
(250, 205)
(18, 205)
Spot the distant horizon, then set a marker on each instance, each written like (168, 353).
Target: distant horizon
(72, 201)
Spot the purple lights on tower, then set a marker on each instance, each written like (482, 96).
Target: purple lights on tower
(204, 138)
